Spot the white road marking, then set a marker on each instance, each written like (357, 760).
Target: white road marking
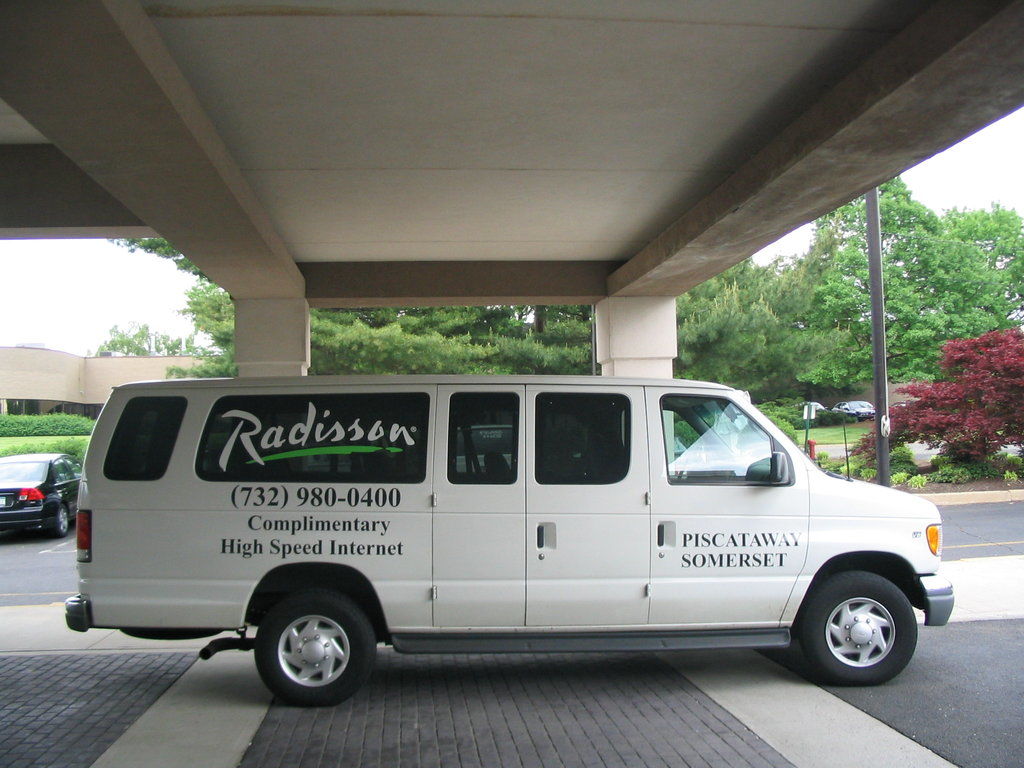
(57, 549)
(986, 544)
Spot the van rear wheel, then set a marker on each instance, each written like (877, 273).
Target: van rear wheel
(857, 628)
(315, 648)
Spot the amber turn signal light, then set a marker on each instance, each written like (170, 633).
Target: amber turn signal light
(934, 534)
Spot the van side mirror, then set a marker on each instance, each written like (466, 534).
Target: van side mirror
(779, 474)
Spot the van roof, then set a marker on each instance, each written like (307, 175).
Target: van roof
(329, 381)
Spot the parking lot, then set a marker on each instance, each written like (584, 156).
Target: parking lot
(36, 570)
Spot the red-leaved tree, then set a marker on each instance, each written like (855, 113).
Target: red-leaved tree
(978, 407)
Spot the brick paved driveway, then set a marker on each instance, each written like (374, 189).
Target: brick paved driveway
(64, 710)
(516, 710)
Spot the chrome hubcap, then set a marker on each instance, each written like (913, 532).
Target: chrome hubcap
(313, 651)
(860, 632)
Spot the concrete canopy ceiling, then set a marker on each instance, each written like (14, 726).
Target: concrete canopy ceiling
(474, 151)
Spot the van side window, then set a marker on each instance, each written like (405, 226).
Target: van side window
(333, 438)
(582, 439)
(709, 440)
(144, 438)
(483, 438)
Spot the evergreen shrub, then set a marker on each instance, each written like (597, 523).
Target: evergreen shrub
(75, 446)
(45, 425)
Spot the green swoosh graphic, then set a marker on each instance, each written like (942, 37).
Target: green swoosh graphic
(328, 449)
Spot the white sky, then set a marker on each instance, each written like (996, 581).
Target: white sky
(67, 294)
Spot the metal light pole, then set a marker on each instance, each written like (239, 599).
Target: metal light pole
(881, 376)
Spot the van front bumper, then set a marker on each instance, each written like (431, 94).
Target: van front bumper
(78, 613)
(938, 600)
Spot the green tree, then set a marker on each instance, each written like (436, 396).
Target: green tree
(998, 235)
(484, 340)
(139, 340)
(747, 327)
(212, 315)
(160, 247)
(492, 340)
(946, 277)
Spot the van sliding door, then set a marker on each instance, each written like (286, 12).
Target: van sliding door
(587, 524)
(480, 507)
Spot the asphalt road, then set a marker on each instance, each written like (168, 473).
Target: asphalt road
(983, 530)
(35, 570)
(962, 695)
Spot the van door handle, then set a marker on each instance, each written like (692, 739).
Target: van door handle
(547, 538)
(666, 536)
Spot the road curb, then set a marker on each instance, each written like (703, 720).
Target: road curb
(973, 497)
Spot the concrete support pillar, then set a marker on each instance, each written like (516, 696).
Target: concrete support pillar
(272, 337)
(636, 336)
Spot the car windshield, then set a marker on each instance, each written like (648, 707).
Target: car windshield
(22, 472)
(859, 404)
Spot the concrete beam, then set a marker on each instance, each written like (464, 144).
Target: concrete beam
(46, 195)
(94, 77)
(954, 70)
(436, 283)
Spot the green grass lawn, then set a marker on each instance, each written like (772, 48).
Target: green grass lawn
(834, 435)
(56, 444)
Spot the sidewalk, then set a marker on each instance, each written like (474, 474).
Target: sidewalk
(212, 712)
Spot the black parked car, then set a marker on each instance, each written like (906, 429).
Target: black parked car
(39, 490)
(859, 408)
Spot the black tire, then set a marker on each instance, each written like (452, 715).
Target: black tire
(850, 607)
(329, 656)
(61, 522)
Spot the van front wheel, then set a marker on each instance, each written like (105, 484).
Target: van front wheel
(315, 649)
(857, 628)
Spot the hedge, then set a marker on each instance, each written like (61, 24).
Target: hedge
(781, 419)
(792, 412)
(73, 445)
(832, 419)
(47, 425)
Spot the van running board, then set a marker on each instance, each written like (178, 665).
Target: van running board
(523, 642)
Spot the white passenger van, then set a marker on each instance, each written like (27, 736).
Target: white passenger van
(478, 514)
